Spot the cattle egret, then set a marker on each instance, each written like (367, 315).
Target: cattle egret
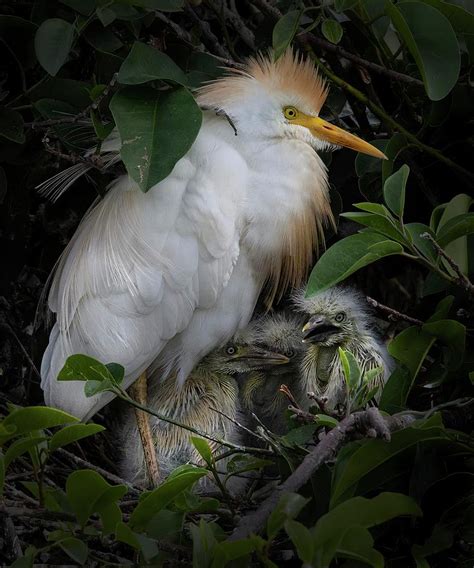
(211, 386)
(162, 278)
(260, 389)
(339, 317)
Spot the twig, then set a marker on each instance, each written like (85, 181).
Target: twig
(394, 315)
(304, 37)
(387, 119)
(92, 160)
(302, 414)
(238, 424)
(289, 395)
(370, 422)
(79, 116)
(103, 472)
(217, 46)
(462, 280)
(11, 535)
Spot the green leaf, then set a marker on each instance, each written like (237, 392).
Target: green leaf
(395, 145)
(394, 190)
(11, 125)
(325, 420)
(163, 495)
(453, 335)
(424, 246)
(241, 463)
(410, 347)
(352, 372)
(396, 390)
(299, 436)
(431, 41)
(157, 128)
(284, 32)
(365, 164)
(102, 130)
(203, 448)
(225, 552)
(73, 433)
(145, 545)
(373, 453)
(289, 506)
(347, 256)
(33, 418)
(21, 446)
(75, 549)
(53, 42)
(376, 222)
(302, 538)
(145, 63)
(454, 228)
(357, 544)
(332, 30)
(458, 248)
(88, 493)
(84, 368)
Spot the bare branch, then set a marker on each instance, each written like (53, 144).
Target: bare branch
(393, 315)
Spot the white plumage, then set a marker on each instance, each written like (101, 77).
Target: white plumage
(164, 277)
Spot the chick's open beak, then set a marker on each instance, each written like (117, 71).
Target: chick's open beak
(335, 135)
(318, 329)
(262, 357)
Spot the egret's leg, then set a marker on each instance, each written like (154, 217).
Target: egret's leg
(139, 392)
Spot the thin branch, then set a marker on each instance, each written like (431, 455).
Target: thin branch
(238, 424)
(462, 280)
(393, 314)
(92, 160)
(304, 38)
(369, 422)
(84, 114)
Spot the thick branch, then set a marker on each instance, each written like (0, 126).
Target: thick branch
(369, 422)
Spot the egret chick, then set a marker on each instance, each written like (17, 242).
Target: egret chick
(260, 388)
(211, 385)
(338, 317)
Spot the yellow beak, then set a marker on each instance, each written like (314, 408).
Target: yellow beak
(335, 135)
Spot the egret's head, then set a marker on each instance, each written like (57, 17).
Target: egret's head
(237, 357)
(282, 333)
(333, 317)
(279, 99)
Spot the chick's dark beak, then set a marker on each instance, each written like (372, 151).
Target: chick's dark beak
(260, 358)
(318, 329)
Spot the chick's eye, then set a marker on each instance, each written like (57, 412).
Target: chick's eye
(290, 353)
(230, 350)
(290, 112)
(341, 316)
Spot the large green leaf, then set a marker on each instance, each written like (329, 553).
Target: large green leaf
(157, 128)
(457, 249)
(84, 368)
(33, 418)
(376, 222)
(357, 544)
(332, 30)
(454, 228)
(453, 334)
(145, 63)
(331, 529)
(53, 42)
(431, 41)
(73, 433)
(373, 453)
(284, 32)
(288, 507)
(302, 538)
(414, 231)
(394, 190)
(347, 256)
(75, 549)
(163, 495)
(395, 145)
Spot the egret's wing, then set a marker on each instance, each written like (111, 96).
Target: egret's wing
(141, 264)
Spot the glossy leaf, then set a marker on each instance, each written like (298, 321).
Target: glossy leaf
(457, 249)
(372, 453)
(396, 390)
(21, 446)
(53, 42)
(11, 125)
(163, 495)
(431, 41)
(203, 448)
(75, 549)
(302, 538)
(33, 418)
(424, 246)
(85, 368)
(365, 164)
(347, 256)
(453, 335)
(332, 30)
(394, 190)
(145, 63)
(357, 544)
(284, 32)
(454, 228)
(376, 222)
(73, 433)
(410, 347)
(395, 145)
(157, 128)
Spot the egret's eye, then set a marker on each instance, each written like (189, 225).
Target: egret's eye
(290, 113)
(341, 316)
(230, 350)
